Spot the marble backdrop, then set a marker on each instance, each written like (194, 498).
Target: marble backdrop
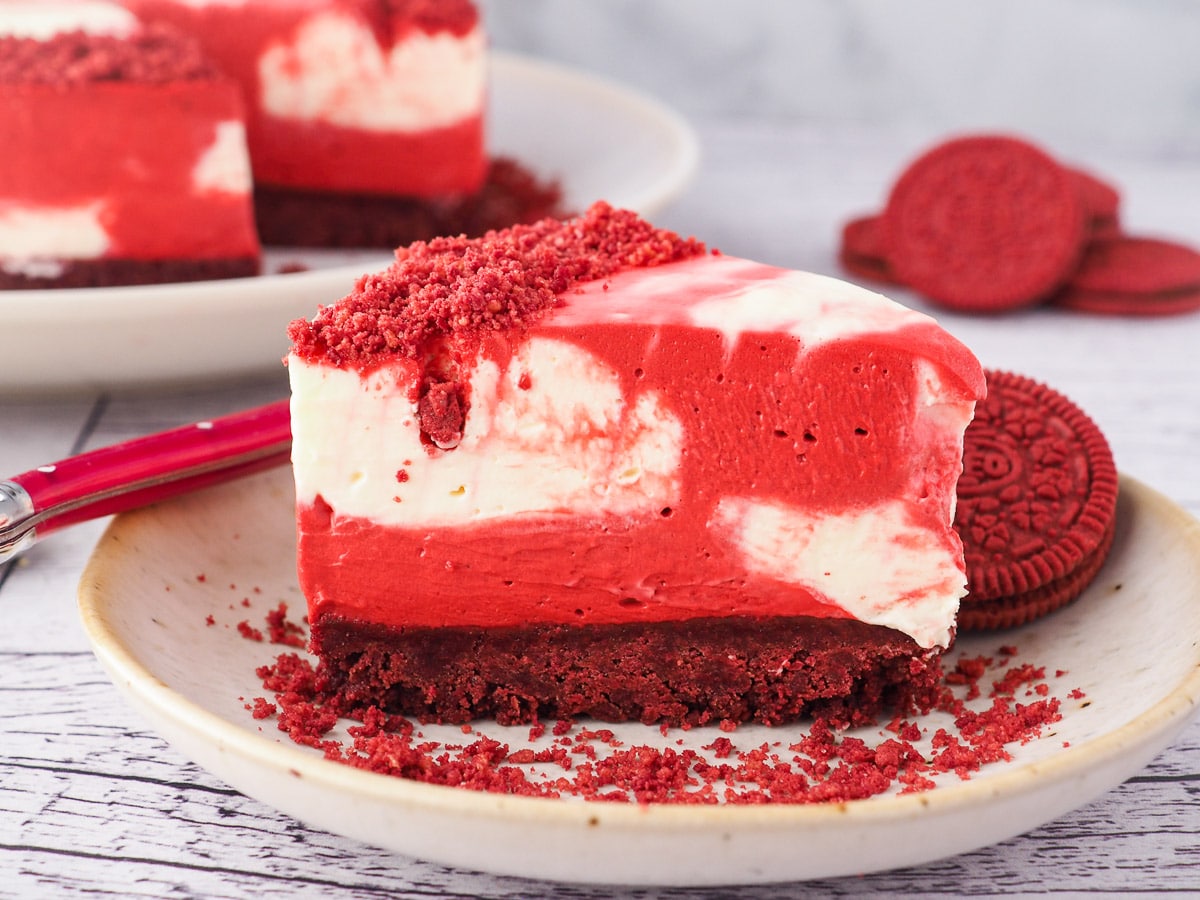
(1119, 73)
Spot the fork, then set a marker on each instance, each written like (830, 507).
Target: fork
(139, 472)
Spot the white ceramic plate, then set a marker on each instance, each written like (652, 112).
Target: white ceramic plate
(144, 604)
(600, 140)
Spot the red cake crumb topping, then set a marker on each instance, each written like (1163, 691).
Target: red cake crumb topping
(248, 631)
(821, 765)
(462, 289)
(441, 412)
(283, 630)
(156, 54)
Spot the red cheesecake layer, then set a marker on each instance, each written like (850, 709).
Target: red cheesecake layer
(316, 155)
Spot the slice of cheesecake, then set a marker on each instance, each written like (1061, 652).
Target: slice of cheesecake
(588, 468)
(124, 153)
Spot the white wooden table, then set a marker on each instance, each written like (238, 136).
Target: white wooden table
(92, 803)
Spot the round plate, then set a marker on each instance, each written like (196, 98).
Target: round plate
(608, 143)
(160, 571)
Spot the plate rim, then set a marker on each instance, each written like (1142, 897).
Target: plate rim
(684, 135)
(1165, 717)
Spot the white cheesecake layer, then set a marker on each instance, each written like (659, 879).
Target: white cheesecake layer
(38, 232)
(873, 562)
(45, 18)
(423, 82)
(590, 450)
(224, 167)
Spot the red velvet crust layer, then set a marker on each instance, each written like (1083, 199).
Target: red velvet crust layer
(113, 272)
(510, 195)
(695, 672)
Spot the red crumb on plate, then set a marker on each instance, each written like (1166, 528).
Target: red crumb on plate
(282, 630)
(262, 708)
(246, 630)
(814, 762)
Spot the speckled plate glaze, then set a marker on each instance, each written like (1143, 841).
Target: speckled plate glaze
(1129, 644)
(608, 143)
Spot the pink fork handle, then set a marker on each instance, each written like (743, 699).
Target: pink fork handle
(134, 473)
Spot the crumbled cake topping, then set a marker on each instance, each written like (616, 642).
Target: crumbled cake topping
(154, 55)
(459, 290)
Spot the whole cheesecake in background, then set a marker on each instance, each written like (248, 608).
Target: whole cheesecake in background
(365, 117)
(123, 153)
(588, 468)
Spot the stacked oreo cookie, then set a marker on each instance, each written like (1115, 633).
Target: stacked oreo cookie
(993, 223)
(1036, 503)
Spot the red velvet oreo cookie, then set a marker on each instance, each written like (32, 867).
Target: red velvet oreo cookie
(862, 251)
(1036, 503)
(985, 224)
(1167, 303)
(1137, 265)
(1010, 612)
(1101, 202)
(1124, 275)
